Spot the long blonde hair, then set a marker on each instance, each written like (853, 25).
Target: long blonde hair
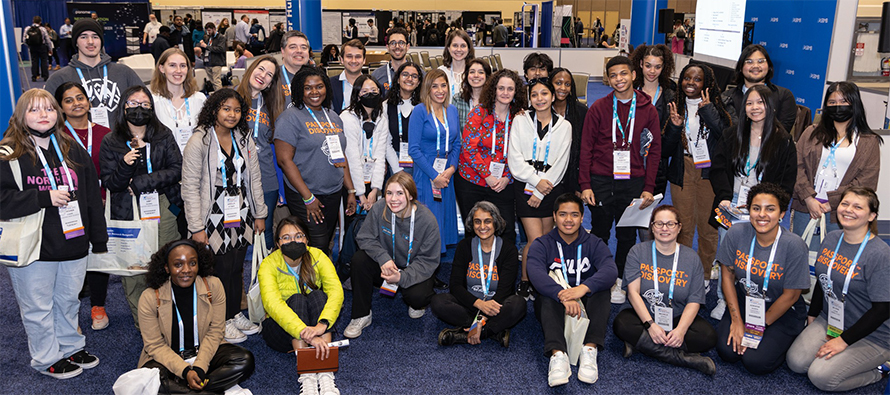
(158, 83)
(17, 135)
(425, 96)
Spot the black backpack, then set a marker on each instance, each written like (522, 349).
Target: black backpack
(35, 37)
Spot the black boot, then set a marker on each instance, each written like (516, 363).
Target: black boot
(503, 338)
(452, 336)
(675, 356)
(628, 350)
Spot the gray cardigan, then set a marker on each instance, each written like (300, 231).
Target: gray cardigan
(199, 165)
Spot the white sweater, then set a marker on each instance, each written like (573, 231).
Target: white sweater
(523, 134)
(357, 144)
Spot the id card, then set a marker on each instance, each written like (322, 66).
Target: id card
(835, 317)
(100, 115)
(232, 211)
(405, 159)
(72, 224)
(621, 165)
(388, 289)
(664, 317)
(334, 149)
(701, 156)
(496, 169)
(529, 189)
(743, 196)
(182, 136)
(755, 321)
(149, 206)
(439, 164)
(367, 171)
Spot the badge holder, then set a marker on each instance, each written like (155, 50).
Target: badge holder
(755, 321)
(388, 289)
(150, 206)
(405, 159)
(621, 165)
(835, 317)
(664, 317)
(72, 224)
(438, 165)
(478, 324)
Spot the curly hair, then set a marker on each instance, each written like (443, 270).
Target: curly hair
(713, 91)
(466, 91)
(207, 118)
(659, 51)
(769, 188)
(394, 95)
(488, 97)
(296, 87)
(157, 267)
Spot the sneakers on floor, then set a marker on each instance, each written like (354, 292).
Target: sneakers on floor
(618, 295)
(415, 313)
(588, 371)
(84, 359)
(503, 338)
(559, 369)
(525, 290)
(245, 326)
(233, 334)
(354, 329)
(707, 285)
(326, 384)
(63, 369)
(718, 311)
(308, 384)
(100, 319)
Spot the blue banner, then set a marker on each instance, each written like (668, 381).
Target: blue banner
(10, 88)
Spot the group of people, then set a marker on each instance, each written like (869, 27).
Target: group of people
(405, 150)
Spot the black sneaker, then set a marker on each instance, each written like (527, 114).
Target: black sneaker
(439, 284)
(450, 336)
(525, 290)
(63, 369)
(503, 338)
(84, 359)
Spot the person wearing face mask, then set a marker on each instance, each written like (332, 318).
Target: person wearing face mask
(175, 91)
(367, 138)
(46, 290)
(302, 297)
(182, 313)
(400, 101)
(467, 99)
(839, 152)
(139, 158)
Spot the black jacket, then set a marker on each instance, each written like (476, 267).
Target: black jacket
(668, 94)
(672, 144)
(216, 50)
(273, 43)
(158, 47)
(785, 106)
(781, 170)
(337, 87)
(507, 264)
(575, 114)
(117, 176)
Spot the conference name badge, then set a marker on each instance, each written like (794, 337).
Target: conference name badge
(621, 165)
(664, 317)
(700, 155)
(182, 137)
(835, 317)
(367, 171)
(388, 289)
(334, 149)
(231, 211)
(439, 167)
(755, 321)
(496, 169)
(149, 206)
(72, 225)
(99, 115)
(405, 159)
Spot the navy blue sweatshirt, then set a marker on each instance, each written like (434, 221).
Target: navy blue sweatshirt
(598, 269)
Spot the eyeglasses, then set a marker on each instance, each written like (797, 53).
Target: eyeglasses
(293, 237)
(398, 44)
(411, 76)
(134, 103)
(752, 61)
(670, 224)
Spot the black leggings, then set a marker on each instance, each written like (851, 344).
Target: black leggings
(551, 314)
(319, 234)
(448, 309)
(229, 267)
(777, 339)
(307, 307)
(229, 366)
(700, 337)
(366, 276)
(98, 283)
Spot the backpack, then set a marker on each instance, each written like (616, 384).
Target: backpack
(34, 37)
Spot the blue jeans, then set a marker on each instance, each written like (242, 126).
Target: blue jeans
(47, 295)
(271, 199)
(801, 219)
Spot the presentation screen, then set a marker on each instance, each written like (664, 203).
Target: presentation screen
(719, 27)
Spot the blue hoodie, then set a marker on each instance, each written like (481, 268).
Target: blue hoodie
(543, 256)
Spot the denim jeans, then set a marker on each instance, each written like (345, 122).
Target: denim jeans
(47, 295)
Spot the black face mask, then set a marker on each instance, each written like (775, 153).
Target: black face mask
(138, 116)
(40, 134)
(293, 250)
(370, 100)
(839, 113)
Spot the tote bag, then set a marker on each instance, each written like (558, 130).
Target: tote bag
(20, 238)
(813, 255)
(130, 245)
(575, 328)
(255, 310)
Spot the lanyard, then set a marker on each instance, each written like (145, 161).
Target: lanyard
(388, 75)
(222, 160)
(316, 119)
(673, 272)
(188, 113)
(439, 133)
(769, 264)
(147, 155)
(852, 265)
(702, 130)
(451, 82)
(631, 117)
(831, 159)
(535, 144)
(46, 169)
(286, 78)
(494, 133)
(486, 281)
(256, 120)
(565, 271)
(657, 92)
(194, 318)
(346, 94)
(104, 81)
(399, 117)
(89, 146)
(410, 236)
(296, 276)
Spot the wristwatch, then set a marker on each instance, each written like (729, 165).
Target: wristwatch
(325, 322)
(648, 324)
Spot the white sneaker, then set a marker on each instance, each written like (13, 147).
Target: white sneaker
(618, 295)
(588, 371)
(326, 384)
(354, 329)
(245, 326)
(308, 384)
(718, 311)
(559, 369)
(415, 313)
(233, 334)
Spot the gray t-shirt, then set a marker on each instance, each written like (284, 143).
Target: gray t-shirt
(311, 155)
(264, 148)
(689, 284)
(790, 267)
(474, 275)
(870, 282)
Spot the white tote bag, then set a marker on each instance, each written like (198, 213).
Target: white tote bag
(142, 381)
(813, 255)
(130, 245)
(575, 328)
(255, 309)
(20, 238)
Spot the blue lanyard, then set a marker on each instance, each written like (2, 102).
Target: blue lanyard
(852, 265)
(410, 236)
(506, 135)
(286, 78)
(296, 278)
(439, 133)
(47, 170)
(89, 146)
(188, 113)
(657, 92)
(256, 118)
(147, 155)
(630, 120)
(673, 272)
(535, 144)
(452, 83)
(345, 93)
(222, 161)
(194, 318)
(703, 128)
(831, 159)
(769, 264)
(104, 82)
(320, 128)
(486, 281)
(565, 270)
(749, 166)
(399, 118)
(370, 153)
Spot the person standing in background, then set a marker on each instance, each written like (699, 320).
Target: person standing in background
(39, 47)
(242, 29)
(152, 28)
(65, 42)
(579, 31)
(216, 54)
(372, 36)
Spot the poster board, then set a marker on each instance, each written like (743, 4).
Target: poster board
(332, 27)
(215, 17)
(262, 16)
(123, 24)
(361, 22)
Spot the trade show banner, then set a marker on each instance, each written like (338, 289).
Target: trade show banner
(216, 17)
(123, 23)
(797, 35)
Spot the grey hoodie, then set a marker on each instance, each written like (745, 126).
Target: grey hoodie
(120, 77)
